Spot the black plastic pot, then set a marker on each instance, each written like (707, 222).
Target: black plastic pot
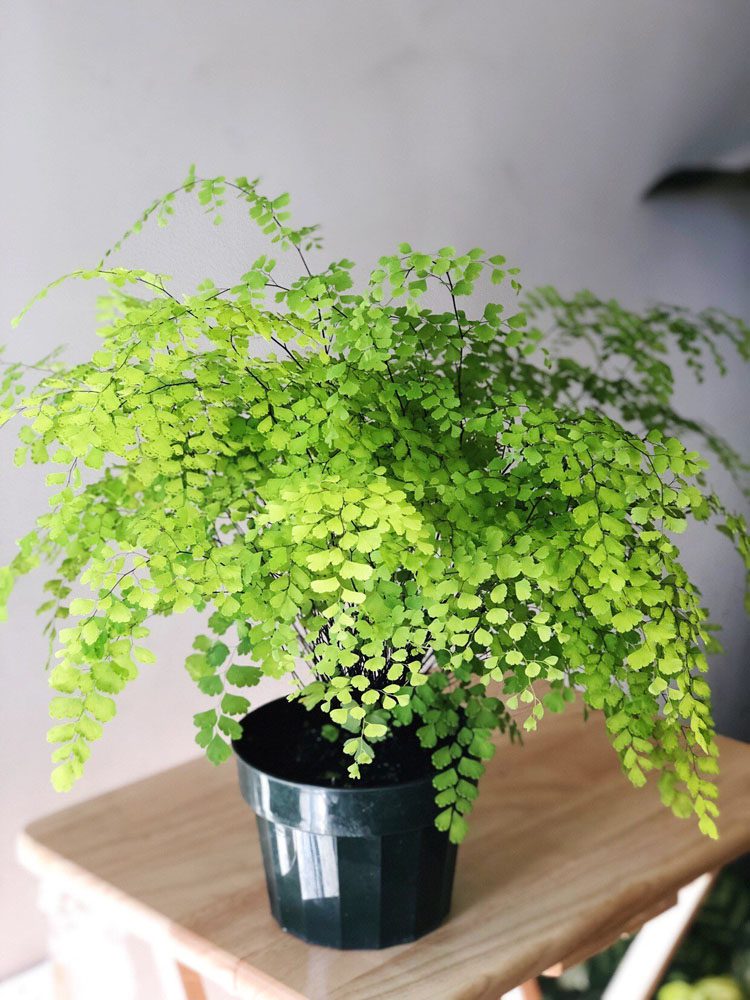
(349, 864)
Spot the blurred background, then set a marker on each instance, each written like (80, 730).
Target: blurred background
(535, 129)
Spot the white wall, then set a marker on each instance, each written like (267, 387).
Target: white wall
(528, 127)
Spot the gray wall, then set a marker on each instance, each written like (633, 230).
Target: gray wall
(527, 127)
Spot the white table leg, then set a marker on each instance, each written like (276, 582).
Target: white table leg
(530, 990)
(646, 960)
(90, 959)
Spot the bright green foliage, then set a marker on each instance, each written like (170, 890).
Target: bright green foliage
(391, 509)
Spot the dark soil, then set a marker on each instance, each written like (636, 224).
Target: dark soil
(284, 739)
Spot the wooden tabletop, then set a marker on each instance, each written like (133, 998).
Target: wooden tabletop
(562, 852)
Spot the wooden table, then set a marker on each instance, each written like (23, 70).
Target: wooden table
(562, 857)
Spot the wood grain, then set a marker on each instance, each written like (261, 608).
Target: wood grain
(561, 852)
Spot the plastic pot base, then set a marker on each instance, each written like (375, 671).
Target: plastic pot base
(357, 892)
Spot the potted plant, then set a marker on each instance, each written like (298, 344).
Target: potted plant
(397, 512)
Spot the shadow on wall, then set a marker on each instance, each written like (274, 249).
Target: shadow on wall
(694, 187)
(697, 180)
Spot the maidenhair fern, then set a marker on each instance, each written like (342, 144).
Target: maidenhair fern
(398, 510)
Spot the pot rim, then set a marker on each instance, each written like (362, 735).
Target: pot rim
(372, 810)
(427, 778)
(330, 788)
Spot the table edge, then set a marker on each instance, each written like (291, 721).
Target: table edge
(228, 971)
